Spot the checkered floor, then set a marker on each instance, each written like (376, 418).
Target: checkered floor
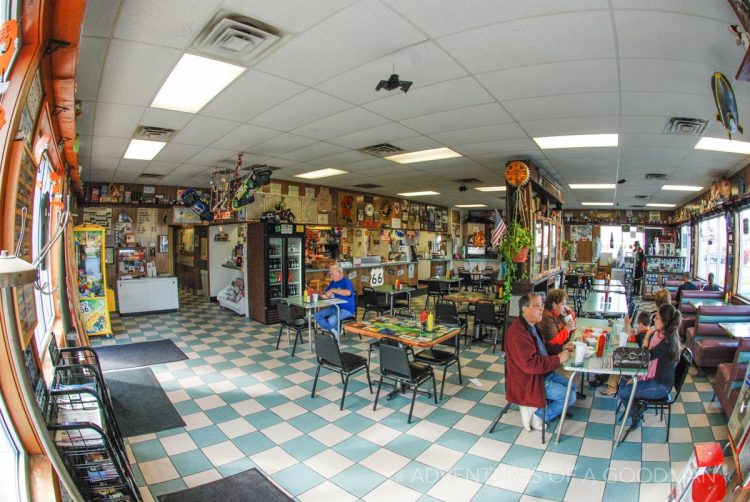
(248, 405)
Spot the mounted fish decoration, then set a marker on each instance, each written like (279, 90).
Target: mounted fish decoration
(726, 104)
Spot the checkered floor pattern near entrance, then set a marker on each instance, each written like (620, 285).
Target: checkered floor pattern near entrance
(246, 404)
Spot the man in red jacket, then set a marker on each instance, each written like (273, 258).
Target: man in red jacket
(530, 378)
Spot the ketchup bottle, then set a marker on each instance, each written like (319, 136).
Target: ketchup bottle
(600, 343)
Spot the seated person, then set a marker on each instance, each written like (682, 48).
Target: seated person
(638, 333)
(558, 322)
(530, 378)
(339, 287)
(686, 285)
(710, 286)
(664, 351)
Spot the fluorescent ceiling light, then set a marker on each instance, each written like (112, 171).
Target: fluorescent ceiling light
(417, 194)
(597, 203)
(194, 82)
(471, 205)
(140, 149)
(320, 173)
(491, 189)
(656, 204)
(577, 141)
(586, 186)
(723, 145)
(682, 188)
(423, 156)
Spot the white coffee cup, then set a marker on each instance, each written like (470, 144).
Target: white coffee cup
(567, 318)
(623, 339)
(315, 298)
(580, 352)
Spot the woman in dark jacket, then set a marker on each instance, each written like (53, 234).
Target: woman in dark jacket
(663, 346)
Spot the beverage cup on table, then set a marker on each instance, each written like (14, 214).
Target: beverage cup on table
(580, 352)
(623, 339)
(315, 297)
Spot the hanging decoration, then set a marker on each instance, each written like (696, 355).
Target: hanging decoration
(244, 188)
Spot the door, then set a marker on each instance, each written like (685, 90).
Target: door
(275, 268)
(294, 265)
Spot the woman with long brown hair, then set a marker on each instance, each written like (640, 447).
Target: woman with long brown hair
(662, 342)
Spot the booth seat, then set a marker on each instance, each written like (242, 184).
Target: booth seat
(710, 345)
(729, 377)
(672, 286)
(688, 311)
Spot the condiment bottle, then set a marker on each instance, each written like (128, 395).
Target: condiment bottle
(430, 322)
(305, 297)
(600, 343)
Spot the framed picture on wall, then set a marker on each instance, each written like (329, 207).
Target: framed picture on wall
(34, 99)
(109, 255)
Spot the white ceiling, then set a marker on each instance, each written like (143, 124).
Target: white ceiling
(488, 76)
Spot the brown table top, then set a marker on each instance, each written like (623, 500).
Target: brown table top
(471, 297)
(406, 331)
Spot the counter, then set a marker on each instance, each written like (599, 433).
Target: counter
(361, 275)
(431, 267)
(147, 294)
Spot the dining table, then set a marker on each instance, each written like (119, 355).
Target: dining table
(472, 297)
(406, 331)
(603, 282)
(707, 302)
(391, 291)
(603, 288)
(740, 331)
(311, 306)
(606, 304)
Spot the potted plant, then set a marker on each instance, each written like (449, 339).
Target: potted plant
(514, 247)
(566, 248)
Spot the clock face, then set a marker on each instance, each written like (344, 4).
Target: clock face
(369, 209)
(517, 173)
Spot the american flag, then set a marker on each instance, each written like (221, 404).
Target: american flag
(499, 230)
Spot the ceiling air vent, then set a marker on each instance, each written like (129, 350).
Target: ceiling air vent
(685, 126)
(153, 133)
(236, 38)
(641, 196)
(382, 150)
(368, 185)
(655, 176)
(468, 180)
(149, 176)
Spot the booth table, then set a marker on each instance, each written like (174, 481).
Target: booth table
(297, 301)
(391, 292)
(603, 282)
(616, 304)
(707, 302)
(612, 289)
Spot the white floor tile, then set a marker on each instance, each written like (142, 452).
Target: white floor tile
(624, 471)
(580, 489)
(654, 491)
(328, 463)
(596, 448)
(236, 428)
(379, 434)
(327, 492)
(454, 488)
(557, 463)
(390, 491)
(273, 460)
(385, 462)
(247, 407)
(510, 477)
(157, 471)
(428, 431)
(330, 435)
(202, 478)
(490, 449)
(281, 432)
(440, 457)
(196, 421)
(179, 443)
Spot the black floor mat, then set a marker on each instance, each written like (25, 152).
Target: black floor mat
(246, 486)
(133, 355)
(140, 404)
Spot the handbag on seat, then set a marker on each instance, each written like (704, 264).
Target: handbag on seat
(630, 357)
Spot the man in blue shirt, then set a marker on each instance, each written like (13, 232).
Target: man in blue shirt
(342, 288)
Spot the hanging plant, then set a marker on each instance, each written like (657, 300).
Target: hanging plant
(514, 241)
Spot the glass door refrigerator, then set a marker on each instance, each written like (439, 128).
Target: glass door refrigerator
(276, 267)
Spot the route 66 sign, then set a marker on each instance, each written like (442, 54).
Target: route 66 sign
(376, 277)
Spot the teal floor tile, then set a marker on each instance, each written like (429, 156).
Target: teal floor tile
(473, 468)
(358, 480)
(702, 434)
(570, 445)
(148, 450)
(418, 476)
(717, 419)
(680, 452)
(138, 475)
(468, 393)
(206, 436)
(175, 485)
(680, 420)
(627, 451)
(548, 486)
(507, 433)
(484, 411)
(298, 478)
(191, 462)
(491, 494)
(303, 447)
(308, 422)
(656, 472)
(447, 418)
(263, 419)
(653, 434)
(622, 492)
(521, 456)
(458, 440)
(409, 446)
(602, 403)
(600, 431)
(212, 377)
(222, 414)
(694, 408)
(591, 468)
(253, 443)
(272, 400)
(354, 423)
(232, 468)
(200, 391)
(355, 448)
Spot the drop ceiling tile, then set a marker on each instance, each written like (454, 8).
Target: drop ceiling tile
(171, 23)
(85, 121)
(577, 125)
(244, 137)
(117, 120)
(592, 38)
(442, 17)
(685, 143)
(99, 18)
(132, 166)
(435, 98)
(386, 133)
(697, 7)
(213, 156)
(91, 55)
(340, 43)
(168, 119)
(460, 118)
(290, 16)
(103, 146)
(250, 94)
(313, 152)
(668, 105)
(570, 77)
(203, 131)
(650, 34)
(574, 105)
(190, 170)
(175, 152)
(124, 177)
(300, 110)
(480, 134)
(354, 119)
(423, 64)
(282, 144)
(104, 164)
(508, 146)
(161, 167)
(418, 143)
(347, 158)
(133, 72)
(665, 75)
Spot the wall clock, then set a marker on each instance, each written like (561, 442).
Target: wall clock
(369, 209)
(396, 209)
(517, 173)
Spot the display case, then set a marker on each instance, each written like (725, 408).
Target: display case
(665, 263)
(131, 262)
(92, 279)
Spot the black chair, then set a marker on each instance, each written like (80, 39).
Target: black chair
(374, 302)
(444, 358)
(434, 291)
(448, 309)
(467, 281)
(486, 317)
(288, 321)
(659, 405)
(395, 365)
(344, 363)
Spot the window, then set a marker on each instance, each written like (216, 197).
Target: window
(612, 237)
(712, 248)
(12, 461)
(686, 245)
(40, 228)
(743, 286)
